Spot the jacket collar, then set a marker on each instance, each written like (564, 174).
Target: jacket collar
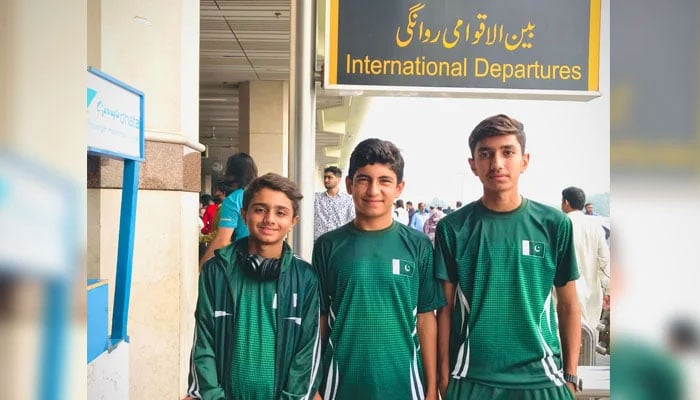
(228, 253)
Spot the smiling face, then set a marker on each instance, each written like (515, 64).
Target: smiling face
(374, 188)
(498, 162)
(269, 217)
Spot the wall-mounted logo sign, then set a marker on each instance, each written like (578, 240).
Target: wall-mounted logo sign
(114, 117)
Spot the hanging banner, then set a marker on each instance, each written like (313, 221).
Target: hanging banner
(498, 46)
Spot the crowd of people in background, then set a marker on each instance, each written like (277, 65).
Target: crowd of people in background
(423, 219)
(333, 208)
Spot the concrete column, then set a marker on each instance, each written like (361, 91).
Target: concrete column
(263, 124)
(154, 47)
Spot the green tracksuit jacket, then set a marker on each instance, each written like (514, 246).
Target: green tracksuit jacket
(298, 340)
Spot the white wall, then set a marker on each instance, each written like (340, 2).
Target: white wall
(108, 375)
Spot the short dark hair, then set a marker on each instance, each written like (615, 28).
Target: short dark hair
(334, 170)
(497, 125)
(399, 203)
(240, 171)
(372, 151)
(274, 182)
(205, 199)
(575, 196)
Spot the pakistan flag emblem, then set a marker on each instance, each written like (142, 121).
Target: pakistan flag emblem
(532, 248)
(403, 267)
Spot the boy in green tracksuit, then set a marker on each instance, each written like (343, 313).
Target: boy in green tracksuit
(500, 258)
(257, 333)
(379, 292)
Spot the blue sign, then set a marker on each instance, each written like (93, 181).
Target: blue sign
(115, 118)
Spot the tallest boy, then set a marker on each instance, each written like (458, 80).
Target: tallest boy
(500, 257)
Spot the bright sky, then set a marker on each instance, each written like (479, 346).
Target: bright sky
(568, 141)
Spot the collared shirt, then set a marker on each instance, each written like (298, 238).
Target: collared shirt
(418, 220)
(331, 212)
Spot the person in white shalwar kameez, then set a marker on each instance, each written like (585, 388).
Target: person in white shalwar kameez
(592, 255)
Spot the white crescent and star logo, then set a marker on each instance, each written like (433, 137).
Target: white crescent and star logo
(402, 267)
(533, 248)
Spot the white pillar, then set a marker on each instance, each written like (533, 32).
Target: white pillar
(154, 47)
(302, 112)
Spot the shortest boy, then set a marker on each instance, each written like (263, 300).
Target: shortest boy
(257, 333)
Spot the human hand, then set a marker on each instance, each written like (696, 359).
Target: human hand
(572, 388)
